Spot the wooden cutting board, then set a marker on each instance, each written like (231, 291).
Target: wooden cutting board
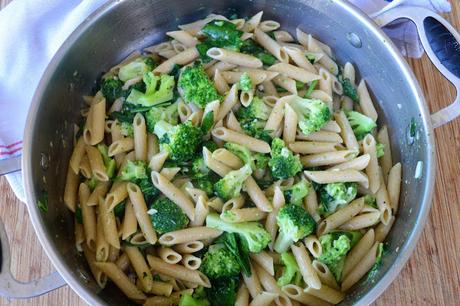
(431, 276)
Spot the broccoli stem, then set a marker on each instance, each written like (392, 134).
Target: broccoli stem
(161, 128)
(282, 243)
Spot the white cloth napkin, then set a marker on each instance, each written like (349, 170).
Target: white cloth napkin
(31, 31)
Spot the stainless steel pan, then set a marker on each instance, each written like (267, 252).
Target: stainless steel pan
(120, 27)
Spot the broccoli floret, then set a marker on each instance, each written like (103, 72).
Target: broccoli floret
(92, 183)
(218, 261)
(252, 234)
(126, 129)
(361, 124)
(155, 114)
(380, 149)
(334, 250)
(334, 196)
(205, 185)
(198, 298)
(181, 141)
(133, 170)
(159, 89)
(199, 168)
(136, 68)
(294, 223)
(166, 216)
(138, 173)
(255, 128)
(196, 86)
(313, 114)
(249, 46)
(256, 110)
(245, 83)
(223, 291)
(230, 185)
(112, 89)
(291, 273)
(109, 163)
(219, 33)
(261, 160)
(239, 250)
(349, 89)
(283, 163)
(296, 193)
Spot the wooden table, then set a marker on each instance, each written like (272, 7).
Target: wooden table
(431, 276)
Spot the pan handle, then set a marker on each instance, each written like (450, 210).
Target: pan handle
(442, 44)
(10, 165)
(11, 288)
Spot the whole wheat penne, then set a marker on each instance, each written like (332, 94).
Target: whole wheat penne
(328, 158)
(189, 234)
(346, 131)
(362, 268)
(394, 186)
(359, 163)
(99, 275)
(365, 101)
(242, 296)
(340, 216)
(140, 210)
(169, 255)
(322, 136)
(306, 269)
(265, 261)
(297, 294)
(121, 280)
(70, 190)
(251, 143)
(271, 45)
(313, 245)
(358, 251)
(189, 247)
(182, 58)
(252, 282)
(88, 214)
(140, 266)
(235, 58)
(294, 72)
(338, 176)
(386, 161)
(326, 293)
(178, 271)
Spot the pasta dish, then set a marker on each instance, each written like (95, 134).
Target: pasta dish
(232, 164)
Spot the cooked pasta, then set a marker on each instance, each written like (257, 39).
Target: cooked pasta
(237, 158)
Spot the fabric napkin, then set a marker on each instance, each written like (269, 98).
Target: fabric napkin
(31, 31)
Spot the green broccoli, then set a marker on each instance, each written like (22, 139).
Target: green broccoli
(127, 129)
(159, 89)
(223, 291)
(249, 46)
(92, 183)
(255, 128)
(196, 86)
(313, 114)
(210, 145)
(252, 234)
(166, 216)
(380, 149)
(112, 89)
(334, 196)
(361, 124)
(230, 185)
(198, 298)
(256, 110)
(136, 68)
(295, 193)
(291, 273)
(283, 163)
(245, 83)
(261, 160)
(138, 173)
(335, 247)
(218, 261)
(199, 168)
(181, 141)
(349, 89)
(133, 170)
(155, 114)
(294, 223)
(239, 250)
(221, 34)
(204, 184)
(242, 153)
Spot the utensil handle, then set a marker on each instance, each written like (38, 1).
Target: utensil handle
(11, 287)
(10, 165)
(442, 44)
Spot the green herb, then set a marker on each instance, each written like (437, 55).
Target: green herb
(220, 34)
(311, 88)
(78, 215)
(208, 122)
(251, 47)
(42, 202)
(349, 89)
